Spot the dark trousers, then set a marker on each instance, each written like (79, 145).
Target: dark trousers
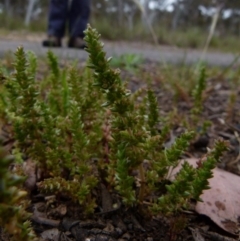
(76, 16)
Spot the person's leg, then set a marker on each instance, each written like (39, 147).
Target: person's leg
(58, 13)
(78, 18)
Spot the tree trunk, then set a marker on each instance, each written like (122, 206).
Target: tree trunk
(31, 4)
(176, 16)
(7, 7)
(120, 12)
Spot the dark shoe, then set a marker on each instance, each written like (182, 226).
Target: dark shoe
(52, 42)
(78, 43)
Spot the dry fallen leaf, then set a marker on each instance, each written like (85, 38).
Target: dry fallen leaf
(221, 202)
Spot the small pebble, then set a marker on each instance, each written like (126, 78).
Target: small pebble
(149, 239)
(126, 236)
(130, 226)
(119, 231)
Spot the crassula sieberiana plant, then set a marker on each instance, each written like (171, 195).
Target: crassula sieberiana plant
(13, 216)
(84, 127)
(135, 140)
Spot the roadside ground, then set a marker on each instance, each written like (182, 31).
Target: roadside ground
(162, 54)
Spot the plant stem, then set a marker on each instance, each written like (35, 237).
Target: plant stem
(142, 183)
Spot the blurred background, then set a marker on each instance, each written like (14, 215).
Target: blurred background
(181, 23)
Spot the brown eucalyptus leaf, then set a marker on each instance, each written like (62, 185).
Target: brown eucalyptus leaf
(221, 203)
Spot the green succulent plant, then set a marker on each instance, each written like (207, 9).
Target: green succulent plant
(85, 127)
